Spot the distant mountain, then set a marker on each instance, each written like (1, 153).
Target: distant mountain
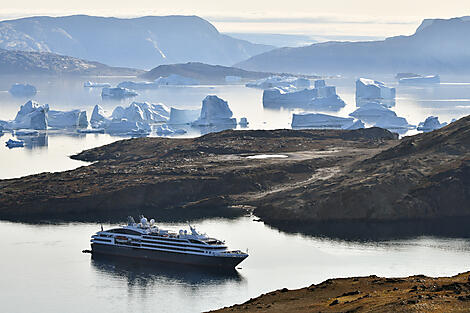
(437, 46)
(21, 62)
(143, 42)
(204, 73)
(277, 40)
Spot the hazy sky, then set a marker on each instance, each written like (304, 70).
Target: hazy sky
(341, 18)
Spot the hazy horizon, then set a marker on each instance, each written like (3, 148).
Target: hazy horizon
(334, 20)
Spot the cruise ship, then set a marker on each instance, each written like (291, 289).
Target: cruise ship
(146, 241)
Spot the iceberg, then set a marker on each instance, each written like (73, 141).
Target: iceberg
(273, 82)
(320, 97)
(166, 130)
(26, 132)
(175, 79)
(368, 89)
(14, 143)
(180, 117)
(22, 90)
(98, 118)
(431, 123)
(302, 83)
(215, 111)
(117, 93)
(31, 115)
(243, 122)
(126, 127)
(142, 112)
(89, 84)
(67, 119)
(418, 80)
(90, 131)
(137, 85)
(377, 114)
(324, 121)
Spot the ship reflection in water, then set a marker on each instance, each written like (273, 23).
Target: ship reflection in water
(144, 273)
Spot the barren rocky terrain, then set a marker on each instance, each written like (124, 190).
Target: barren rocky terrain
(368, 294)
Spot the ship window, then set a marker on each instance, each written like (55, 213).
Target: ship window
(195, 241)
(124, 231)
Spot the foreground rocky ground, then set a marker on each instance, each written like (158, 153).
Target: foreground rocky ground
(361, 175)
(199, 177)
(368, 294)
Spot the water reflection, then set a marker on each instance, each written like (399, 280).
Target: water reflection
(144, 273)
(39, 140)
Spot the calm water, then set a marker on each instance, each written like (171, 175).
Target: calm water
(43, 270)
(50, 151)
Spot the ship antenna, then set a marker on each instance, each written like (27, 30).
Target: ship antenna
(101, 226)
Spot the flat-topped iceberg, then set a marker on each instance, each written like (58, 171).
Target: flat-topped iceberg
(180, 117)
(431, 123)
(67, 119)
(90, 84)
(324, 121)
(175, 79)
(377, 114)
(288, 82)
(138, 85)
(368, 89)
(418, 80)
(31, 115)
(215, 111)
(22, 90)
(117, 93)
(143, 112)
(321, 97)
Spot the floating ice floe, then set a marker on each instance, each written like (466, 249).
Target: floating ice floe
(138, 85)
(368, 90)
(420, 80)
(285, 82)
(243, 122)
(143, 112)
(321, 97)
(126, 127)
(31, 115)
(166, 130)
(215, 111)
(324, 121)
(117, 93)
(180, 117)
(22, 90)
(431, 123)
(175, 79)
(90, 131)
(90, 84)
(377, 114)
(67, 119)
(14, 143)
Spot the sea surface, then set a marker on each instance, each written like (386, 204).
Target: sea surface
(43, 269)
(50, 150)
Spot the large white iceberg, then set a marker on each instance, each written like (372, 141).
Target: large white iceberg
(372, 90)
(431, 123)
(67, 119)
(31, 115)
(324, 121)
(179, 116)
(320, 97)
(215, 111)
(137, 85)
(117, 93)
(22, 90)
(98, 118)
(175, 79)
(143, 112)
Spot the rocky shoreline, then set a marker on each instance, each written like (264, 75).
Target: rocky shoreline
(368, 294)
